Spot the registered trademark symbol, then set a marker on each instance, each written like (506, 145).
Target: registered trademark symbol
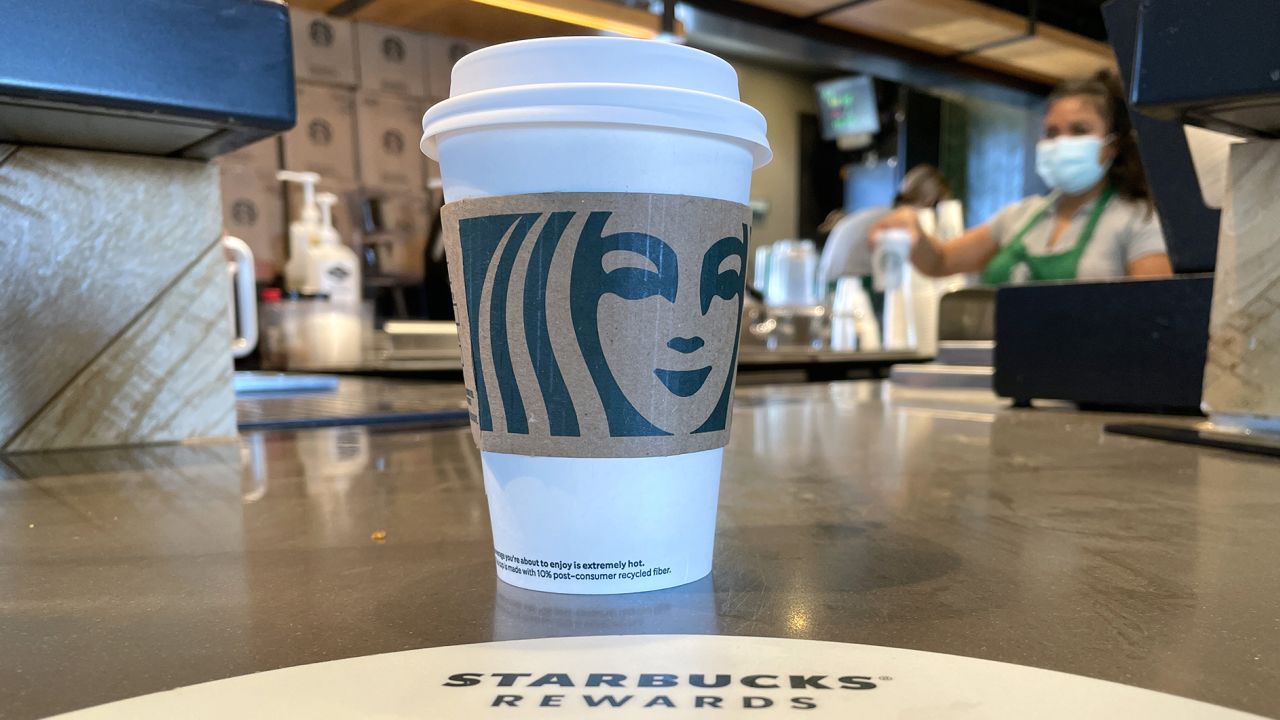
(884, 678)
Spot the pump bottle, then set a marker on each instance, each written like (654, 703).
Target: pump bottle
(304, 232)
(334, 269)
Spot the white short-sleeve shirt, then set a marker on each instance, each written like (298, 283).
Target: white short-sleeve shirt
(1126, 231)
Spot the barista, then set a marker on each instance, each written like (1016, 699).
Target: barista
(1097, 223)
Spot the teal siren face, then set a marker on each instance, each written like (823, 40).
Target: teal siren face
(601, 316)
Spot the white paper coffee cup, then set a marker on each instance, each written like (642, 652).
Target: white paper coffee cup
(597, 115)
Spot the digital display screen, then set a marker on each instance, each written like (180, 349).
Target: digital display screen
(848, 107)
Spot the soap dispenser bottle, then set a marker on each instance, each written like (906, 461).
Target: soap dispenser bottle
(334, 268)
(304, 232)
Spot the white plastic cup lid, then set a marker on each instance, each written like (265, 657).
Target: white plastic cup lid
(597, 80)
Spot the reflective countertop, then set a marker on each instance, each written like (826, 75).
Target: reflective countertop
(856, 512)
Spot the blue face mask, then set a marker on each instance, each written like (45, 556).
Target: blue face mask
(1071, 164)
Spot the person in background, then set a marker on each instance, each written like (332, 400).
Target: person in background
(847, 252)
(1097, 223)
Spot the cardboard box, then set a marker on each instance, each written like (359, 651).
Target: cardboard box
(344, 211)
(391, 60)
(402, 245)
(263, 156)
(324, 140)
(389, 129)
(442, 53)
(253, 210)
(430, 168)
(324, 49)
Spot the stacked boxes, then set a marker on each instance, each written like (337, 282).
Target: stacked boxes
(392, 60)
(390, 127)
(442, 53)
(324, 49)
(252, 208)
(361, 92)
(263, 155)
(406, 216)
(398, 68)
(324, 140)
(393, 168)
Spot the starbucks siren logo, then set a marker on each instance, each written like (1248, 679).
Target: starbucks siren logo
(244, 213)
(393, 142)
(320, 132)
(393, 50)
(321, 33)
(561, 302)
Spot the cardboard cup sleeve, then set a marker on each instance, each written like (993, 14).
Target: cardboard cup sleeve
(598, 324)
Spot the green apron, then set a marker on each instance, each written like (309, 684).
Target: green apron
(1058, 266)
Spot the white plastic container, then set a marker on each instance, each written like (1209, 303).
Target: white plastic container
(598, 115)
(760, 271)
(892, 274)
(335, 335)
(853, 321)
(333, 268)
(793, 274)
(303, 231)
(944, 222)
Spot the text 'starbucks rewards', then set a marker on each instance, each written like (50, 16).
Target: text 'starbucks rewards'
(596, 227)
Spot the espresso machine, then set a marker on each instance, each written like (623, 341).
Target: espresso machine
(1208, 339)
(1217, 67)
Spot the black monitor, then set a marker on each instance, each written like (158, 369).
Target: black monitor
(847, 107)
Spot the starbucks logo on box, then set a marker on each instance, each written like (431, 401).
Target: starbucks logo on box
(244, 212)
(320, 132)
(321, 33)
(393, 142)
(393, 49)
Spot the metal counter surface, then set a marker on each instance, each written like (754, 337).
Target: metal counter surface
(830, 364)
(856, 512)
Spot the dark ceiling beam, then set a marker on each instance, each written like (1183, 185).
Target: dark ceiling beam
(1082, 17)
(347, 8)
(789, 37)
(1033, 18)
(1011, 40)
(835, 9)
